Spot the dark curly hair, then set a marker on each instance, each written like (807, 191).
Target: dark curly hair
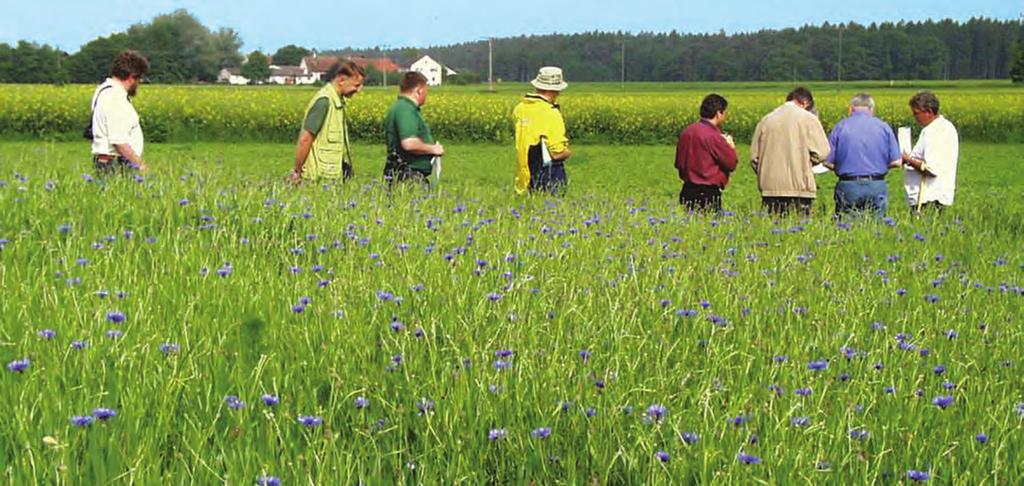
(129, 63)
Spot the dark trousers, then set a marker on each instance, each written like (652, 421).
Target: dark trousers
(862, 196)
(552, 178)
(701, 198)
(933, 207)
(118, 165)
(781, 206)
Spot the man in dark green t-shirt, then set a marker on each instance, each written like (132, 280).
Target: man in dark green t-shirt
(411, 147)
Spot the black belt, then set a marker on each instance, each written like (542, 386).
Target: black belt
(862, 178)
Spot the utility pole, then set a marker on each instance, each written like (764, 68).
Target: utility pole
(490, 64)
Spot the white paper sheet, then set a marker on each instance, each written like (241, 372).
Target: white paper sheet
(435, 164)
(906, 143)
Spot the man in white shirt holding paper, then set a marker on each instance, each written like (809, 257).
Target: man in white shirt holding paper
(930, 176)
(115, 131)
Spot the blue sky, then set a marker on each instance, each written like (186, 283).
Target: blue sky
(269, 24)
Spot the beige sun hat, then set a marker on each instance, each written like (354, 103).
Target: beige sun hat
(550, 79)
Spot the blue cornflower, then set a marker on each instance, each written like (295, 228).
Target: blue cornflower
(115, 334)
(397, 325)
(657, 412)
(800, 421)
(426, 407)
(859, 434)
(747, 458)
(500, 364)
(310, 420)
(689, 438)
(19, 365)
(739, 420)
(889, 390)
(268, 481)
(541, 433)
(780, 358)
(494, 296)
(269, 400)
(817, 365)
(115, 317)
(47, 334)
(79, 344)
(298, 309)
(497, 434)
(591, 412)
(804, 392)
(362, 402)
(103, 414)
(584, 355)
(981, 438)
(918, 475)
(82, 420)
(662, 456)
(225, 270)
(940, 369)
(942, 401)
(233, 402)
(503, 353)
(169, 348)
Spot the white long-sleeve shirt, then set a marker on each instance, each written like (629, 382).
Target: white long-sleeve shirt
(939, 148)
(114, 121)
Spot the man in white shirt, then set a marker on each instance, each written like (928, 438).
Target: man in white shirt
(117, 141)
(930, 176)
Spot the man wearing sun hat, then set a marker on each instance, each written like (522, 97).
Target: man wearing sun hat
(542, 146)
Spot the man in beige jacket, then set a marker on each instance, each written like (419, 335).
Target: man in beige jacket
(786, 143)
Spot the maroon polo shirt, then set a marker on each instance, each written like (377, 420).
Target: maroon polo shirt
(703, 156)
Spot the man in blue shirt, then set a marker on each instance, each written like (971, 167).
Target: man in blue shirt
(863, 150)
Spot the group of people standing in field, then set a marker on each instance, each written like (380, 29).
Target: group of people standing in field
(787, 143)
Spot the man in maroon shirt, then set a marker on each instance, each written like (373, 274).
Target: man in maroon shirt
(704, 157)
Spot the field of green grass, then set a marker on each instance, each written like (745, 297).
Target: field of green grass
(238, 328)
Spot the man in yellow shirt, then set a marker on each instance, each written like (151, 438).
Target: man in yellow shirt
(542, 146)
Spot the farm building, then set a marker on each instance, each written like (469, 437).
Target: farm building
(433, 70)
(232, 76)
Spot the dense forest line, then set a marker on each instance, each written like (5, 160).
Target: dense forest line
(182, 50)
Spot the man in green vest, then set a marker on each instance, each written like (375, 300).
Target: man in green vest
(323, 151)
(411, 146)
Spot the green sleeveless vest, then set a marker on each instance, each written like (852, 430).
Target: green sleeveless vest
(331, 145)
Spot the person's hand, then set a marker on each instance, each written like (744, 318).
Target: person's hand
(143, 168)
(438, 149)
(729, 140)
(295, 177)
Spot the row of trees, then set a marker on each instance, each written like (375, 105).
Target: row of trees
(182, 50)
(976, 49)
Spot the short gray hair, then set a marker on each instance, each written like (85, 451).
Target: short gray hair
(863, 100)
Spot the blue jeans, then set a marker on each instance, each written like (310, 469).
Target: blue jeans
(862, 196)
